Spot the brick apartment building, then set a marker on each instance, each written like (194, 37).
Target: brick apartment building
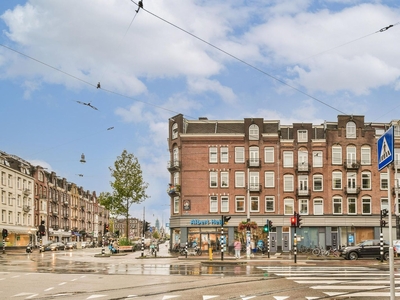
(262, 170)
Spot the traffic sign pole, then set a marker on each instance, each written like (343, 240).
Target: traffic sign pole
(391, 255)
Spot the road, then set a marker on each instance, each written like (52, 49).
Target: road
(81, 274)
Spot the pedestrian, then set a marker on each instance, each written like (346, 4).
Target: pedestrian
(237, 245)
(253, 247)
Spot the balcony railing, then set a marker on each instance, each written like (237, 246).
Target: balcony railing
(174, 190)
(352, 190)
(27, 192)
(174, 165)
(303, 167)
(303, 192)
(255, 188)
(254, 163)
(351, 164)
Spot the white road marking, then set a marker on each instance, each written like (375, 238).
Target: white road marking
(345, 287)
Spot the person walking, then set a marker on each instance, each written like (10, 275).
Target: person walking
(237, 245)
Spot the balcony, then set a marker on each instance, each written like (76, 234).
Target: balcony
(174, 190)
(174, 165)
(303, 168)
(254, 163)
(351, 165)
(352, 190)
(303, 192)
(26, 208)
(27, 192)
(42, 212)
(55, 227)
(55, 212)
(255, 188)
(42, 197)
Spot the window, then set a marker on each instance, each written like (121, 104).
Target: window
(351, 206)
(239, 179)
(288, 206)
(10, 199)
(213, 157)
(10, 180)
(317, 159)
(351, 156)
(302, 156)
(303, 185)
(351, 130)
(176, 178)
(213, 179)
(224, 155)
(10, 219)
(336, 155)
(174, 131)
(384, 203)
(366, 206)
(318, 207)
(3, 197)
(224, 179)
(254, 181)
(303, 206)
(254, 204)
(19, 218)
(302, 136)
(269, 155)
(3, 178)
(337, 205)
(337, 180)
(384, 181)
(269, 203)
(19, 183)
(318, 183)
(3, 216)
(366, 180)
(224, 204)
(213, 204)
(269, 179)
(239, 154)
(288, 183)
(176, 205)
(41, 176)
(288, 159)
(253, 132)
(254, 157)
(351, 182)
(239, 204)
(366, 155)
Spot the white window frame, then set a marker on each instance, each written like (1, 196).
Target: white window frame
(288, 206)
(174, 130)
(213, 155)
(239, 155)
(366, 179)
(318, 178)
(254, 204)
(366, 206)
(302, 184)
(269, 155)
(351, 154)
(239, 179)
(351, 202)
(288, 159)
(351, 130)
(224, 179)
(337, 178)
(254, 181)
(383, 183)
(288, 183)
(213, 204)
(336, 155)
(302, 135)
(176, 205)
(366, 155)
(269, 200)
(317, 159)
(224, 204)
(351, 182)
(254, 132)
(318, 206)
(240, 199)
(213, 179)
(384, 203)
(337, 205)
(254, 157)
(303, 206)
(224, 155)
(269, 179)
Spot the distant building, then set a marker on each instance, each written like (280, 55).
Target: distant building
(262, 170)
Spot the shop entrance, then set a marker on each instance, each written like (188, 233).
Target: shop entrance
(205, 238)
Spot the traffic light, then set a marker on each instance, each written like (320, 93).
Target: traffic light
(107, 228)
(384, 213)
(298, 220)
(5, 233)
(42, 230)
(270, 225)
(383, 223)
(293, 221)
(146, 226)
(225, 220)
(266, 227)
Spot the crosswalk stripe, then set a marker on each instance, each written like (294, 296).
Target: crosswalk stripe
(345, 287)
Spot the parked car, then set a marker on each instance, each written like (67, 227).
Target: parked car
(57, 246)
(366, 249)
(70, 245)
(46, 247)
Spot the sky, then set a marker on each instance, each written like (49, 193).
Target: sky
(293, 61)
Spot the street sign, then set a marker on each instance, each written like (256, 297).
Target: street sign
(386, 148)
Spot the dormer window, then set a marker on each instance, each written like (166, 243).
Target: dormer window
(174, 131)
(302, 136)
(254, 132)
(351, 130)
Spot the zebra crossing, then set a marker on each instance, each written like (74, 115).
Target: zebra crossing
(340, 282)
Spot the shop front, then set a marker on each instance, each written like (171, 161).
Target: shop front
(19, 236)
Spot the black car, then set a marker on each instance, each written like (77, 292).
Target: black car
(366, 249)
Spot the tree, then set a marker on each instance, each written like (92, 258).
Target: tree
(128, 186)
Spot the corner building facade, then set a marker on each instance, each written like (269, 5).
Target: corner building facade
(261, 170)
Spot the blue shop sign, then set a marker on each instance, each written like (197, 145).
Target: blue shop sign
(215, 222)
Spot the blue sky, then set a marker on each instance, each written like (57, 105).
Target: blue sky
(294, 61)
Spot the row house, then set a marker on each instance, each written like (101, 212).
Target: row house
(135, 228)
(255, 170)
(32, 196)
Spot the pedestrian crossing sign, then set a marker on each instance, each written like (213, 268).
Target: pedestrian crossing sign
(386, 148)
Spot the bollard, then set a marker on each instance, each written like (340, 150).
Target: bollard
(210, 254)
(186, 249)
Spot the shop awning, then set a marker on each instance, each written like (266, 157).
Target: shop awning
(19, 229)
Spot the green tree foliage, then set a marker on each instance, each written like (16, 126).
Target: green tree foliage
(128, 186)
(156, 235)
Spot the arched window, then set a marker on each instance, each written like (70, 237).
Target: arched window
(351, 130)
(174, 131)
(254, 132)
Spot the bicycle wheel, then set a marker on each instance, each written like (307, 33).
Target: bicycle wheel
(316, 252)
(199, 252)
